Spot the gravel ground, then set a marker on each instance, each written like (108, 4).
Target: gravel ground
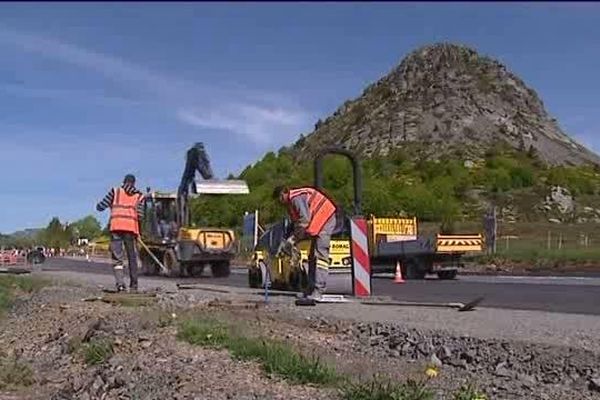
(511, 354)
(506, 369)
(536, 327)
(148, 362)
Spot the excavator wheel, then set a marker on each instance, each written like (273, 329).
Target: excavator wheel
(172, 264)
(220, 269)
(147, 264)
(195, 270)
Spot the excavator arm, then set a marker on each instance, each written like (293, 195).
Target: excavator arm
(197, 160)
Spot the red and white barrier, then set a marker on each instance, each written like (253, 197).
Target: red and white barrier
(361, 264)
(11, 258)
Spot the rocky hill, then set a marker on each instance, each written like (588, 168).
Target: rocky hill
(443, 137)
(444, 97)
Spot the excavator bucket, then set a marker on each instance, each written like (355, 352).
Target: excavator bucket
(215, 186)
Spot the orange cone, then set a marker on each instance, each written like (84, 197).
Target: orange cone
(398, 277)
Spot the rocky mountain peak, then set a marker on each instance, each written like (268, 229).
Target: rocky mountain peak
(443, 97)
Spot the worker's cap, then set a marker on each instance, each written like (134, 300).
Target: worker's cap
(129, 178)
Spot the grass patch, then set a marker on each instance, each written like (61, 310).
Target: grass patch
(11, 285)
(544, 257)
(74, 344)
(469, 392)
(277, 358)
(97, 351)
(382, 389)
(14, 373)
(282, 359)
(166, 319)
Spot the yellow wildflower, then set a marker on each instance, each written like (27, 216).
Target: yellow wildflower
(431, 371)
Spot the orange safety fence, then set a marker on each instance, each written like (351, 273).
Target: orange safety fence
(10, 258)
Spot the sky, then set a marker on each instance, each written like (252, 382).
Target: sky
(92, 91)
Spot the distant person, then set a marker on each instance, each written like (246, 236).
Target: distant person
(313, 216)
(127, 208)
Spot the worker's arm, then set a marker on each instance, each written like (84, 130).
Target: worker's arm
(300, 204)
(106, 201)
(141, 209)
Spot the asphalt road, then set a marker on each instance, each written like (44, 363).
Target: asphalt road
(579, 295)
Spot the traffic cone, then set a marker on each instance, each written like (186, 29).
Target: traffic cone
(398, 277)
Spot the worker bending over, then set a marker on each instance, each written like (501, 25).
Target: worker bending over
(313, 216)
(127, 208)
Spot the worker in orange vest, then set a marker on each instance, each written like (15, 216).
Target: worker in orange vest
(127, 207)
(313, 215)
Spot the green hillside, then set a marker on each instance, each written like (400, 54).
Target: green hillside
(446, 190)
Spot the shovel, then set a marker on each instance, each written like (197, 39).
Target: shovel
(459, 306)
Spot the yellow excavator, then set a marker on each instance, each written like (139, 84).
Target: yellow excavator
(171, 244)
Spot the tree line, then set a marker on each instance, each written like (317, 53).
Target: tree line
(56, 234)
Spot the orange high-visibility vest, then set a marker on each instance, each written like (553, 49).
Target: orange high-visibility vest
(320, 208)
(124, 216)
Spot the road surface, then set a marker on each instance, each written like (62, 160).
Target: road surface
(579, 295)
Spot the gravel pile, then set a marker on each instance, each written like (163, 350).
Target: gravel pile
(506, 369)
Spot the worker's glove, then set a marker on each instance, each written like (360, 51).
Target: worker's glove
(299, 232)
(286, 247)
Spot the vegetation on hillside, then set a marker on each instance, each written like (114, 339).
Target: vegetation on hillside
(444, 190)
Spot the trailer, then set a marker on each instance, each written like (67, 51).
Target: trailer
(441, 255)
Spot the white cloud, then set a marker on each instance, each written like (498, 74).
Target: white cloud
(110, 66)
(262, 125)
(262, 117)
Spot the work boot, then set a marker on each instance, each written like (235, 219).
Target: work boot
(119, 277)
(316, 295)
(305, 292)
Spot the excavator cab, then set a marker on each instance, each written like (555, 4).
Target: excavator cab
(167, 230)
(161, 222)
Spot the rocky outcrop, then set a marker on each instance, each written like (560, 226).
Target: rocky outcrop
(445, 97)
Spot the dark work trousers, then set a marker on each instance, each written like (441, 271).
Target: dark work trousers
(319, 259)
(128, 239)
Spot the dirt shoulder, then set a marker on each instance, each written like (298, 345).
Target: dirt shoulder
(508, 354)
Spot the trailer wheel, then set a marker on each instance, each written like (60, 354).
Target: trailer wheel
(414, 269)
(220, 269)
(447, 275)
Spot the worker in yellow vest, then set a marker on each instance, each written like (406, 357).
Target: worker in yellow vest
(313, 215)
(127, 207)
